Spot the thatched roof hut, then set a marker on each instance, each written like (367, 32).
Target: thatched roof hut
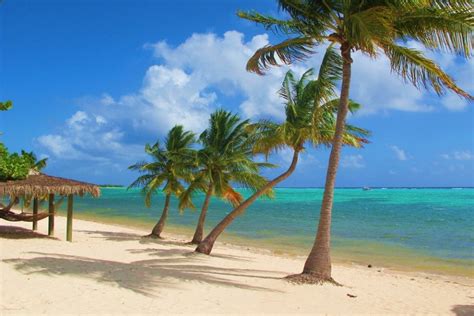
(40, 185)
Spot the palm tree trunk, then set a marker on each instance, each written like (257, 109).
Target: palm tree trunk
(206, 245)
(318, 264)
(197, 238)
(158, 229)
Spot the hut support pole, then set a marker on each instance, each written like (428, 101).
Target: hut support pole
(51, 215)
(35, 213)
(69, 217)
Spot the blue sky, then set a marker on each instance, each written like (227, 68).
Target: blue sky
(92, 81)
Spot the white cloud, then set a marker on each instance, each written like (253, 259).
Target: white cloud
(86, 139)
(100, 119)
(182, 89)
(220, 62)
(353, 161)
(378, 89)
(399, 153)
(463, 74)
(459, 155)
(454, 102)
(58, 146)
(305, 158)
(201, 74)
(78, 119)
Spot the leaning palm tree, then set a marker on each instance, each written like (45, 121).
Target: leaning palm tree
(374, 28)
(169, 167)
(310, 108)
(224, 161)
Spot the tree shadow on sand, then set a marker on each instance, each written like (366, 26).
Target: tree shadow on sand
(187, 251)
(463, 310)
(121, 236)
(112, 236)
(144, 277)
(14, 232)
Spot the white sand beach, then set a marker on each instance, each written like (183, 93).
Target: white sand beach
(111, 270)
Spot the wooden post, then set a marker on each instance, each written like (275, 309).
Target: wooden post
(51, 215)
(35, 213)
(69, 217)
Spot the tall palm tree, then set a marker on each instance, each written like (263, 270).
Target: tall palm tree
(309, 107)
(170, 166)
(375, 28)
(225, 160)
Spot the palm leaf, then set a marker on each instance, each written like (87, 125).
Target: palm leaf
(447, 29)
(232, 196)
(287, 52)
(270, 23)
(412, 66)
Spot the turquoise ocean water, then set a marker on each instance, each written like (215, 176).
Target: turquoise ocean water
(428, 229)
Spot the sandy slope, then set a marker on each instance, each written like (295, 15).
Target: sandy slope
(110, 270)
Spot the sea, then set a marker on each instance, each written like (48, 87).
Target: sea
(421, 229)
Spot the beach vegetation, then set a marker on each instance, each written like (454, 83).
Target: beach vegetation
(14, 166)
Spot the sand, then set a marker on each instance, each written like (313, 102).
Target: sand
(111, 270)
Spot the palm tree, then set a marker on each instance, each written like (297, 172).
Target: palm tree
(224, 161)
(309, 119)
(5, 106)
(375, 28)
(35, 165)
(169, 167)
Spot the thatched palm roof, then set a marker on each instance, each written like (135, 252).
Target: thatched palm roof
(39, 185)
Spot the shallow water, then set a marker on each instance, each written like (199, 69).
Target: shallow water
(426, 229)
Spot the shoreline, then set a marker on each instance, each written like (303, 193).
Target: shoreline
(408, 261)
(111, 269)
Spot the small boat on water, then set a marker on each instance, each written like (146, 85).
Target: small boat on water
(366, 189)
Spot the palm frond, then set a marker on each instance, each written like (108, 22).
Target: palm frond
(442, 28)
(199, 184)
(269, 23)
(412, 66)
(363, 27)
(286, 52)
(330, 73)
(232, 196)
(170, 165)
(314, 14)
(141, 181)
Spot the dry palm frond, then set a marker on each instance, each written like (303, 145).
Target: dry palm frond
(42, 184)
